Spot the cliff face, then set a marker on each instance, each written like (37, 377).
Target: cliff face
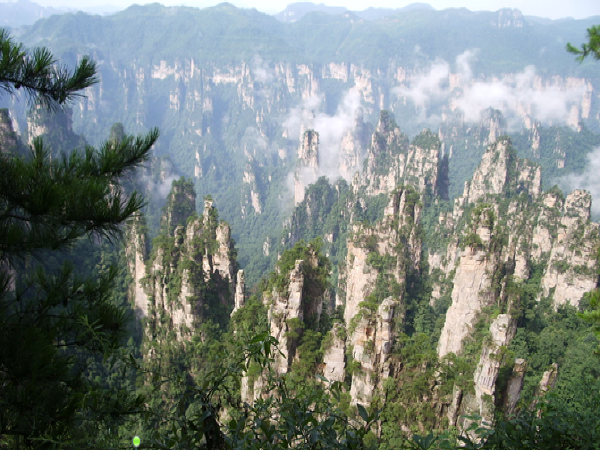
(571, 268)
(502, 233)
(294, 300)
(237, 127)
(9, 140)
(482, 400)
(137, 255)
(265, 87)
(499, 231)
(55, 128)
(479, 257)
(390, 249)
(371, 343)
(391, 161)
(379, 263)
(255, 113)
(286, 312)
(307, 168)
(191, 272)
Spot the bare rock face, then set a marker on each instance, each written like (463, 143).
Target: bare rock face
(223, 264)
(544, 232)
(335, 356)
(56, 128)
(360, 278)
(497, 126)
(392, 162)
(571, 269)
(471, 282)
(502, 330)
(391, 250)
(535, 139)
(548, 379)
(308, 164)
(240, 289)
(515, 385)
(495, 235)
(191, 260)
(508, 18)
(491, 177)
(284, 308)
(395, 236)
(8, 137)
(137, 255)
(354, 146)
(252, 196)
(372, 343)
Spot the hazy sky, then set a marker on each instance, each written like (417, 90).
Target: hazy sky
(553, 9)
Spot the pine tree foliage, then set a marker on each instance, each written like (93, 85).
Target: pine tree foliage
(589, 48)
(37, 74)
(56, 320)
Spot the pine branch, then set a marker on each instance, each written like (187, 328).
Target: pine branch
(49, 203)
(591, 47)
(37, 74)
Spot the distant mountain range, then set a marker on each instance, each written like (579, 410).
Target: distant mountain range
(296, 11)
(19, 13)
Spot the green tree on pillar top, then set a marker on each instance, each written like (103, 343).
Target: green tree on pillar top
(53, 321)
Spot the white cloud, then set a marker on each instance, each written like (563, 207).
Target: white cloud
(516, 95)
(427, 87)
(261, 70)
(254, 143)
(300, 116)
(331, 129)
(463, 63)
(158, 191)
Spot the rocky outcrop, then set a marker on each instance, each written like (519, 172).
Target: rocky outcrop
(239, 299)
(392, 162)
(308, 164)
(9, 140)
(284, 308)
(474, 263)
(548, 379)
(500, 227)
(334, 358)
(191, 272)
(181, 204)
(515, 385)
(354, 146)
(137, 255)
(56, 129)
(395, 239)
(390, 251)
(501, 173)
(472, 283)
(508, 18)
(372, 343)
(252, 196)
(502, 330)
(572, 267)
(360, 276)
(290, 305)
